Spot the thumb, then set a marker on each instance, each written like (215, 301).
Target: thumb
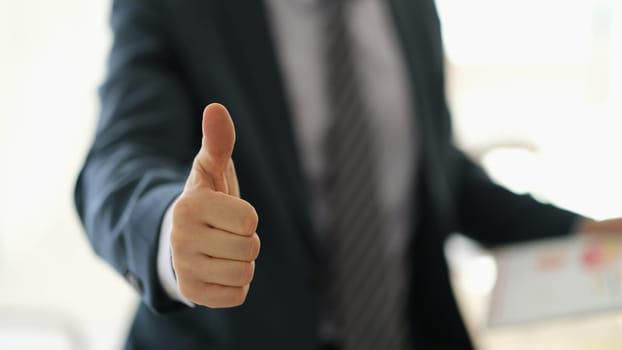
(216, 146)
(218, 135)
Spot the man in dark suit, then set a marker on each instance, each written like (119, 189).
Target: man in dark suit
(315, 176)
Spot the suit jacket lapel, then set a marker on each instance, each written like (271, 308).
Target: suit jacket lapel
(250, 23)
(419, 32)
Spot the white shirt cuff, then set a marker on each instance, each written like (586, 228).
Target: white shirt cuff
(166, 275)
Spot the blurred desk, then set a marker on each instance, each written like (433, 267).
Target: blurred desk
(473, 273)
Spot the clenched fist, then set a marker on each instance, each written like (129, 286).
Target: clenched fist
(213, 240)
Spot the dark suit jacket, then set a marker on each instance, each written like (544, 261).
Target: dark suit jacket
(169, 59)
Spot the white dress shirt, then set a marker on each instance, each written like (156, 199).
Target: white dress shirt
(297, 31)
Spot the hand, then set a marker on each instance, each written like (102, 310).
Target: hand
(213, 240)
(589, 226)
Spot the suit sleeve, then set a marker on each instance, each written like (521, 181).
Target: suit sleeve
(144, 141)
(493, 215)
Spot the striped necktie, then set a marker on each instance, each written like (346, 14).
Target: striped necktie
(367, 282)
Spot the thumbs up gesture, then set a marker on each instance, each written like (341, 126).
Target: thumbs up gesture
(213, 240)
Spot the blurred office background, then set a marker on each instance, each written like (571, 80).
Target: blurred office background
(536, 92)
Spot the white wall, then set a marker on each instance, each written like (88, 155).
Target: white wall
(52, 58)
(544, 74)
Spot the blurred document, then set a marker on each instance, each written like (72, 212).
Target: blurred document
(556, 278)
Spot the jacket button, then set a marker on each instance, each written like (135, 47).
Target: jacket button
(134, 282)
